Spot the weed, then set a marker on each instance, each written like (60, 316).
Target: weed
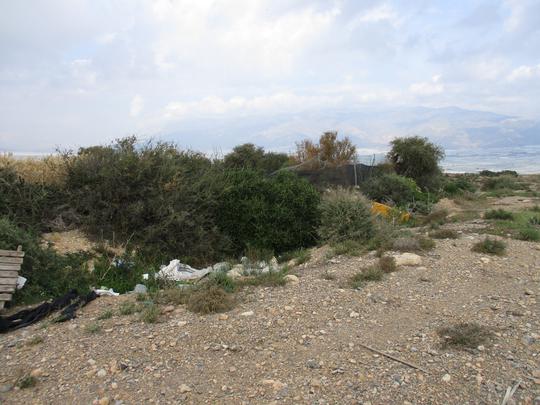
(534, 221)
(26, 381)
(490, 246)
(173, 295)
(92, 328)
(141, 297)
(105, 315)
(529, 234)
(536, 208)
(426, 243)
(150, 313)
(387, 264)
(499, 214)
(373, 273)
(221, 279)
(127, 308)
(302, 256)
(438, 217)
(464, 335)
(34, 340)
(444, 234)
(210, 299)
(349, 248)
(270, 279)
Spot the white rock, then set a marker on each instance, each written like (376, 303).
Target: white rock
(354, 314)
(446, 378)
(291, 278)
(408, 259)
(102, 373)
(247, 313)
(184, 388)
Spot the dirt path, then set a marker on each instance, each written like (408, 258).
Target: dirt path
(302, 345)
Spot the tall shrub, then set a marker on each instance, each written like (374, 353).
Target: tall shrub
(345, 215)
(277, 212)
(391, 188)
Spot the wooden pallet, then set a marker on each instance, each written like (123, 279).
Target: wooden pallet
(10, 264)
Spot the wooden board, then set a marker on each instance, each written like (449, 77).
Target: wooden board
(11, 253)
(5, 297)
(7, 288)
(9, 267)
(11, 260)
(8, 280)
(12, 273)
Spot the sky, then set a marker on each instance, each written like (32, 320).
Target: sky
(82, 72)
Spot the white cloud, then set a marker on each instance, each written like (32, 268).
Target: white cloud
(380, 13)
(524, 72)
(136, 106)
(433, 87)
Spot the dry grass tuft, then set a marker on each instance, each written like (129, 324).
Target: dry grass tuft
(464, 335)
(210, 299)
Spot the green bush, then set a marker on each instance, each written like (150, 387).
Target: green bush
(499, 214)
(501, 183)
(277, 212)
(49, 274)
(458, 185)
(529, 234)
(159, 198)
(490, 246)
(249, 156)
(417, 158)
(391, 188)
(345, 215)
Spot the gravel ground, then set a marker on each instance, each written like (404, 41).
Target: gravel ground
(302, 343)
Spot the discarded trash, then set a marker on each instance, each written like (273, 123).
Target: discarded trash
(106, 291)
(145, 276)
(177, 271)
(21, 281)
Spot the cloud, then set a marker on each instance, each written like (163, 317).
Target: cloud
(433, 87)
(136, 106)
(524, 73)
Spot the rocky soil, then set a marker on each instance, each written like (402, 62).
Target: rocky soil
(303, 343)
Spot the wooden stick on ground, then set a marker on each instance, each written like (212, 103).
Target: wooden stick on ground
(394, 358)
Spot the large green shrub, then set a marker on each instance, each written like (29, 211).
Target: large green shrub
(391, 188)
(161, 199)
(277, 212)
(345, 215)
(417, 158)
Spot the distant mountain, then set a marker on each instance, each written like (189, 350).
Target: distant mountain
(370, 129)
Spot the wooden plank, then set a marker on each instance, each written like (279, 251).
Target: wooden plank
(8, 260)
(4, 273)
(9, 267)
(8, 280)
(7, 288)
(11, 253)
(5, 297)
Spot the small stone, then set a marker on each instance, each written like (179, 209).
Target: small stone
(140, 289)
(485, 260)
(276, 385)
(247, 313)
(92, 362)
(102, 373)
(288, 308)
(481, 348)
(104, 401)
(446, 378)
(181, 323)
(408, 259)
(184, 388)
(168, 308)
(354, 314)
(536, 373)
(223, 317)
(36, 372)
(313, 364)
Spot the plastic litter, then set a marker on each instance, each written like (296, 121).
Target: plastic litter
(21, 281)
(177, 271)
(104, 291)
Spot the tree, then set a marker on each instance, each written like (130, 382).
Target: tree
(249, 156)
(417, 158)
(329, 151)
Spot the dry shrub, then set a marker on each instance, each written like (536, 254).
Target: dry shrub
(39, 170)
(464, 335)
(210, 299)
(387, 264)
(444, 234)
(490, 246)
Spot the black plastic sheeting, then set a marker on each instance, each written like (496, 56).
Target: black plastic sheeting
(68, 303)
